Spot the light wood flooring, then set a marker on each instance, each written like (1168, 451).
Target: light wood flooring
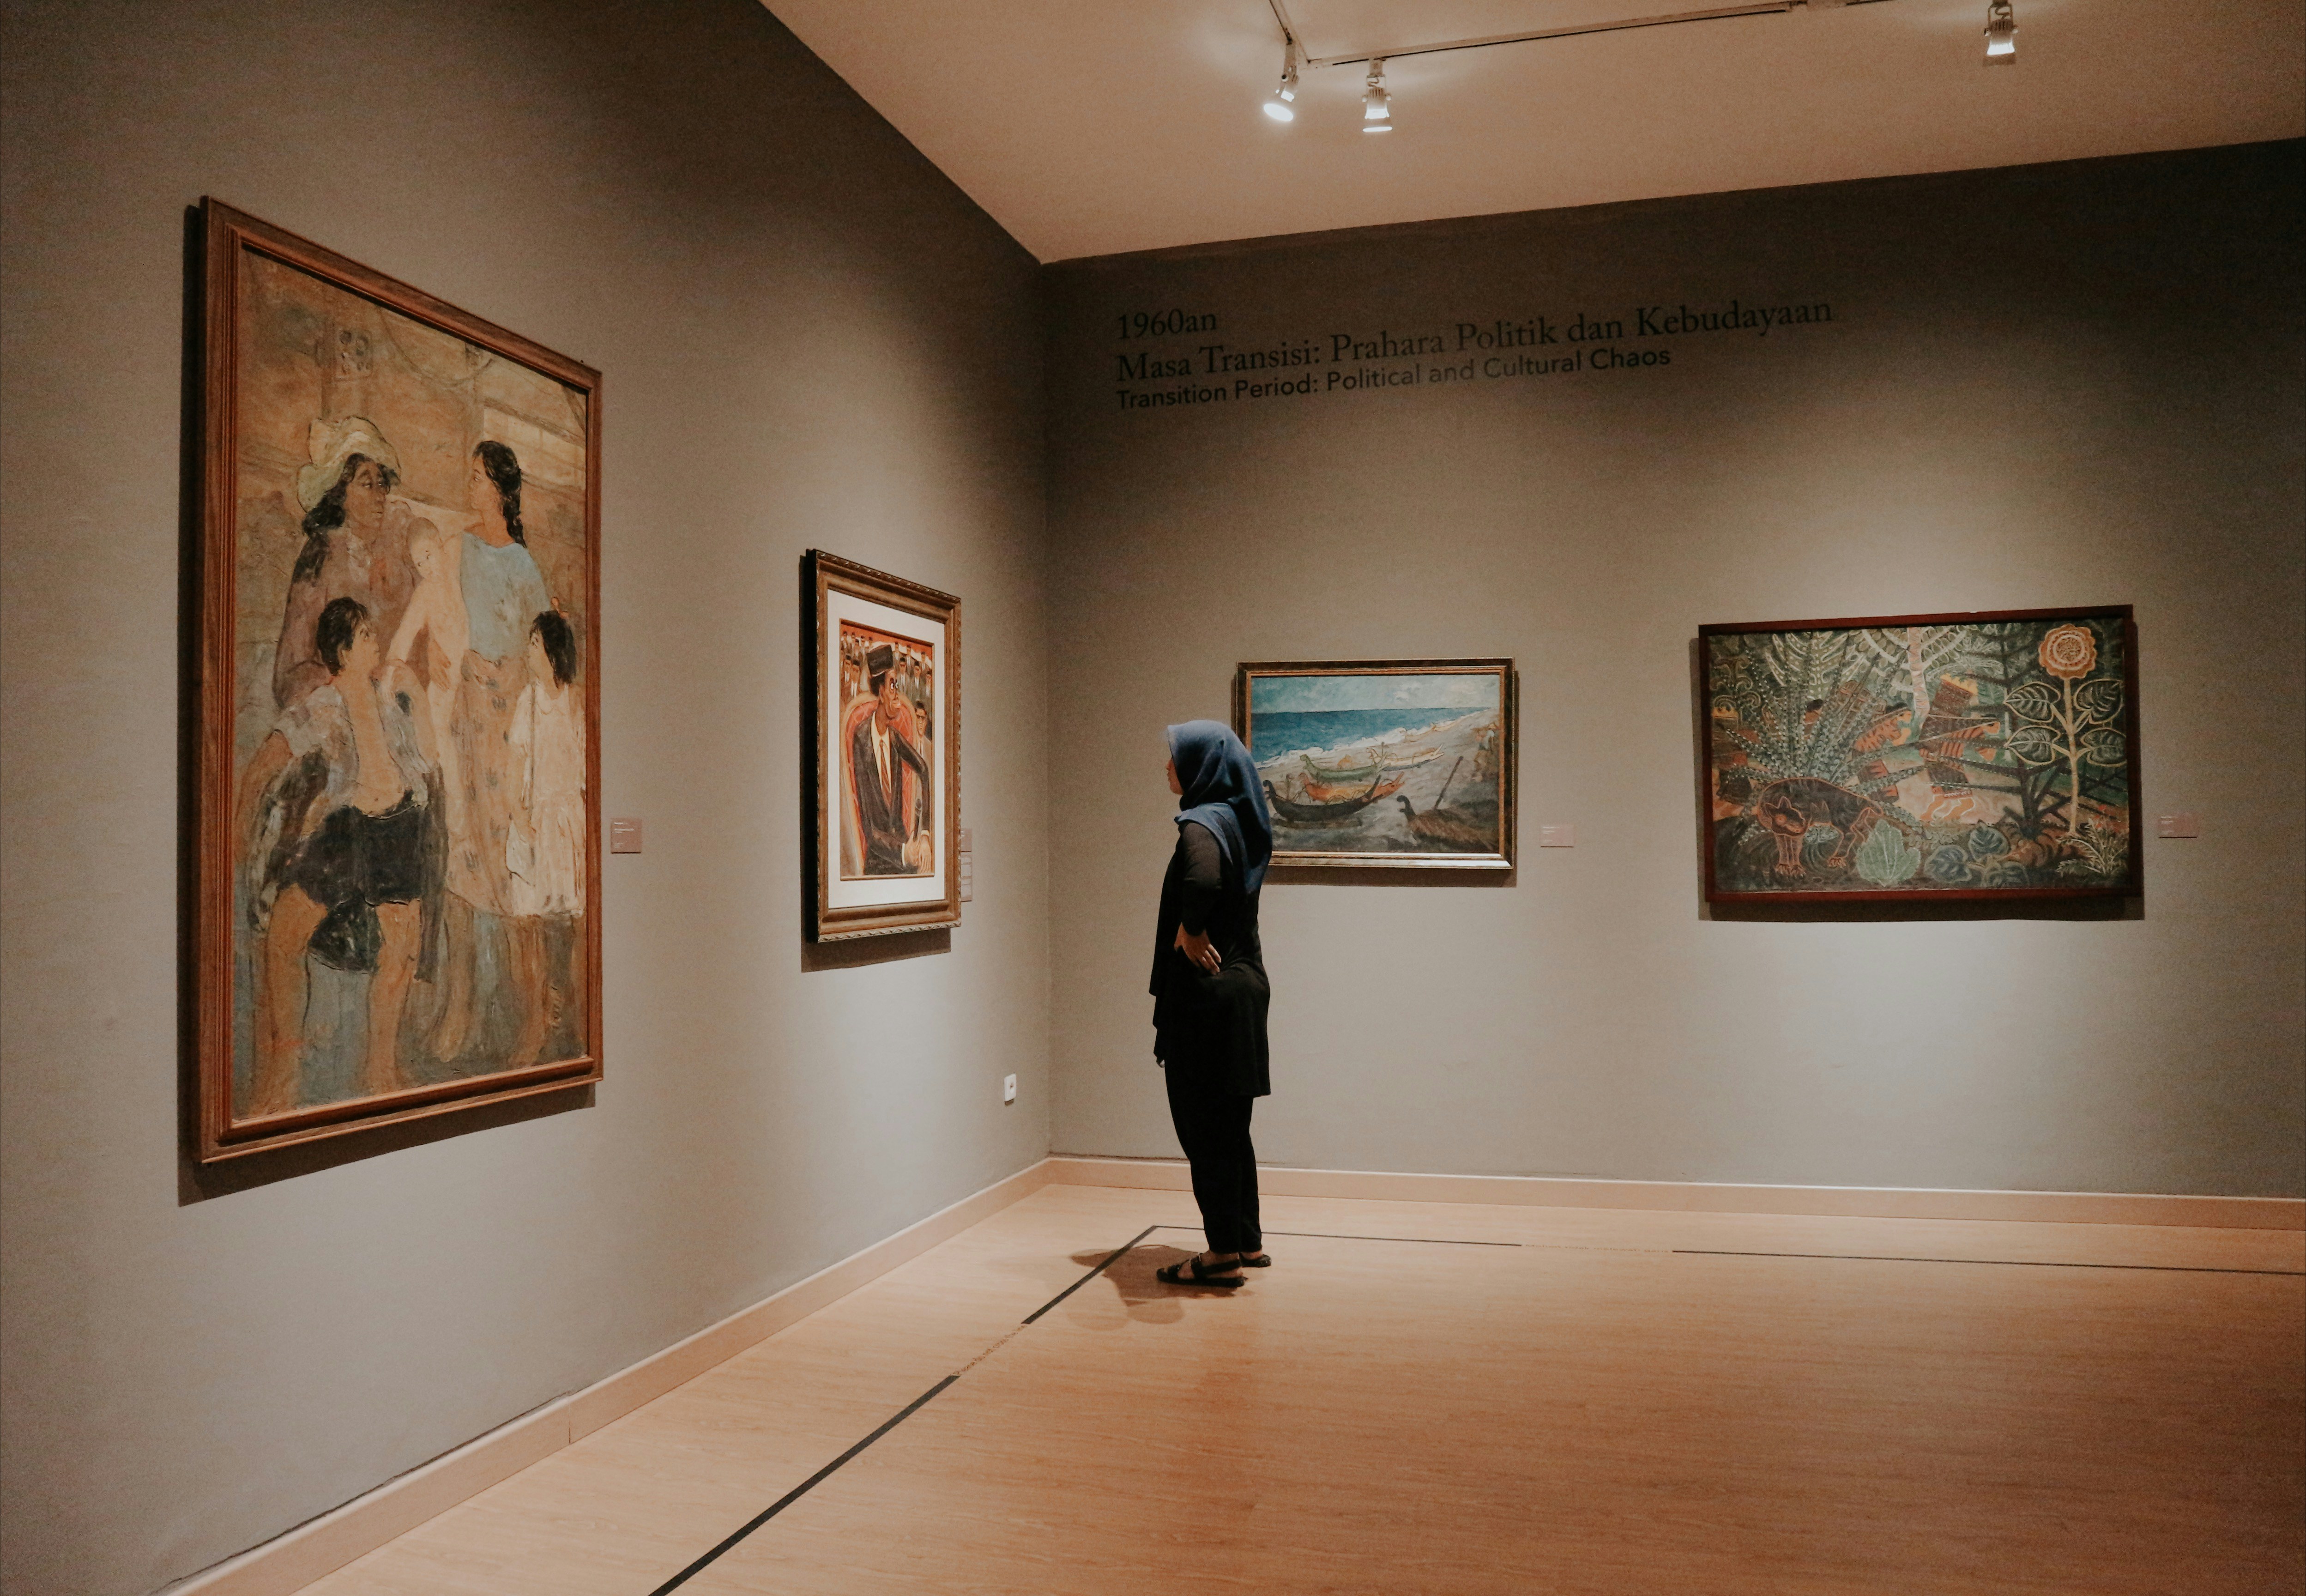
(1449, 1398)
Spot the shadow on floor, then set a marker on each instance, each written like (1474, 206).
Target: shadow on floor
(1147, 1300)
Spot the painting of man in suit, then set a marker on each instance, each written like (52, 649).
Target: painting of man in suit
(885, 787)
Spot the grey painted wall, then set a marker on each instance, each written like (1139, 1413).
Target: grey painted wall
(2074, 385)
(809, 338)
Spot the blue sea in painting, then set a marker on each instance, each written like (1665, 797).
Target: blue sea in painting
(1278, 733)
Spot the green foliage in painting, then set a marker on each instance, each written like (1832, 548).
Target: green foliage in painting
(1797, 702)
(1887, 859)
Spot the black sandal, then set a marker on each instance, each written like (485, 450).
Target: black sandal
(1176, 1275)
(1263, 1260)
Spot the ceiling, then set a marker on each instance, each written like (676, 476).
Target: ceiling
(1090, 127)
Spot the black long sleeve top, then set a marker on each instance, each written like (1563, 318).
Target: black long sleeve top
(1212, 1025)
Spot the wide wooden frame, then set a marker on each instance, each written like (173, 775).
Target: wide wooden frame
(1508, 756)
(824, 576)
(2132, 887)
(226, 235)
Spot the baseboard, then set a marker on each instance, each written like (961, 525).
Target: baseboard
(1695, 1197)
(289, 1562)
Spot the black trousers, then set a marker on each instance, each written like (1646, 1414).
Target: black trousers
(1213, 1128)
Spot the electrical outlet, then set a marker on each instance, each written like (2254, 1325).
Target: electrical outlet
(1008, 1088)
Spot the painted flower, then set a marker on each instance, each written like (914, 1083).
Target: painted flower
(2068, 652)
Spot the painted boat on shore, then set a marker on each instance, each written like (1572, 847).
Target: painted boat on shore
(1381, 761)
(1329, 814)
(1330, 792)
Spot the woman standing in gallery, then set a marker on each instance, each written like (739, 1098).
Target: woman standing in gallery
(1210, 993)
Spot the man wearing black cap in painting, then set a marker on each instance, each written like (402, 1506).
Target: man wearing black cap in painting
(889, 776)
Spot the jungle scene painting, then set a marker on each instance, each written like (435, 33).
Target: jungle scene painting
(408, 843)
(1361, 763)
(1922, 755)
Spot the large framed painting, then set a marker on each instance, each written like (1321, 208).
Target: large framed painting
(1979, 755)
(399, 692)
(886, 668)
(1383, 763)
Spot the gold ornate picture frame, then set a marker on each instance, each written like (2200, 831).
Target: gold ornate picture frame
(1384, 764)
(884, 676)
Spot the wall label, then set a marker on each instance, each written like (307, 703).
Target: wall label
(1582, 345)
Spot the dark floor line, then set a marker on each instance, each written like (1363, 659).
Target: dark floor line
(2013, 1263)
(914, 1406)
(802, 1489)
(1329, 1235)
(1094, 1273)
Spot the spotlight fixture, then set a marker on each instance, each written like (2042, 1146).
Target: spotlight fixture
(1377, 105)
(2000, 33)
(1279, 107)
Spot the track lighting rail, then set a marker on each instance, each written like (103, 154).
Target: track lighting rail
(1377, 101)
(1713, 13)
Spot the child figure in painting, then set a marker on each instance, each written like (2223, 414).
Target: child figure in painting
(544, 851)
(436, 617)
(341, 787)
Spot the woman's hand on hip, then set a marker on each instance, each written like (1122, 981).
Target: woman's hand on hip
(1199, 950)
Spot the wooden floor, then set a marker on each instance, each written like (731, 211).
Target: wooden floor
(1448, 1398)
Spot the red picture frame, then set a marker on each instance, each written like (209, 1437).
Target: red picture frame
(260, 388)
(1969, 756)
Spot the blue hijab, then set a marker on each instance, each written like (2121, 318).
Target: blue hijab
(1223, 794)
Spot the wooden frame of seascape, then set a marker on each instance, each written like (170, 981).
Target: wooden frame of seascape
(884, 684)
(1360, 759)
(377, 939)
(1908, 758)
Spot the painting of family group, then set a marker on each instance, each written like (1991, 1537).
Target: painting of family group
(409, 822)
(1923, 755)
(1383, 761)
(888, 742)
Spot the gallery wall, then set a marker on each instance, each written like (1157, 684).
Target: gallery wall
(2072, 385)
(808, 338)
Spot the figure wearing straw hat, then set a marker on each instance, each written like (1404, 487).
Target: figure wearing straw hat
(356, 535)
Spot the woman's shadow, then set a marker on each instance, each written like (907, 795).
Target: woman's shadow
(1142, 1297)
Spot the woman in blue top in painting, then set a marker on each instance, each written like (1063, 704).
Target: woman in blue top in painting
(503, 594)
(1211, 991)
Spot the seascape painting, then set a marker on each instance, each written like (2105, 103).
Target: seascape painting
(402, 518)
(885, 752)
(1970, 754)
(1383, 763)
